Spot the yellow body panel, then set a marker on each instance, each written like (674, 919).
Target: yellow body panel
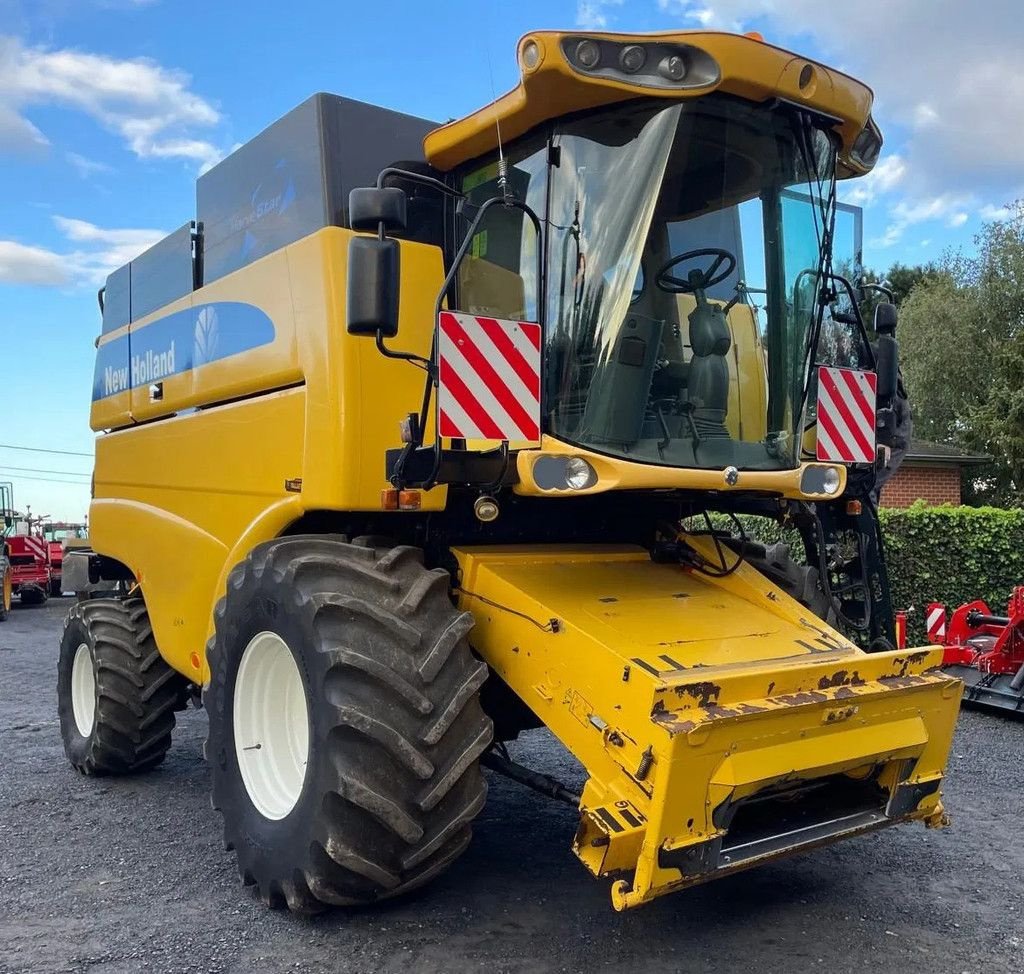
(684, 695)
(183, 497)
(748, 68)
(270, 366)
(114, 410)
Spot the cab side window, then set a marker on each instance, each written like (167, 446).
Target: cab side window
(498, 277)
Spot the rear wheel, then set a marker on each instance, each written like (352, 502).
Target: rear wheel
(55, 589)
(345, 726)
(116, 696)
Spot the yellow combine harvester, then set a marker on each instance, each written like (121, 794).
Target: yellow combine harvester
(603, 321)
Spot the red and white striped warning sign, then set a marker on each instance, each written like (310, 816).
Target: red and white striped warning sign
(935, 622)
(846, 415)
(35, 546)
(489, 378)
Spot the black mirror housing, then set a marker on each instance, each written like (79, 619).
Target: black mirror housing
(885, 319)
(373, 285)
(369, 207)
(887, 368)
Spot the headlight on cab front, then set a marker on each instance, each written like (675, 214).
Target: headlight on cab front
(563, 473)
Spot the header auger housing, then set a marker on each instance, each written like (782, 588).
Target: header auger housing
(412, 441)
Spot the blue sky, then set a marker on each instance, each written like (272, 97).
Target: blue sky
(110, 108)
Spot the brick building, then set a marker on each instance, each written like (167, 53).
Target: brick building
(930, 472)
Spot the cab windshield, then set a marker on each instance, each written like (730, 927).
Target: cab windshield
(684, 250)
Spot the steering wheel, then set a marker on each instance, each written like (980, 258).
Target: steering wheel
(696, 280)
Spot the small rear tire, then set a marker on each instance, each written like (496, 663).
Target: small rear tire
(345, 724)
(55, 589)
(33, 595)
(116, 696)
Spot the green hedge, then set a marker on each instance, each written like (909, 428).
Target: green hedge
(939, 554)
(952, 555)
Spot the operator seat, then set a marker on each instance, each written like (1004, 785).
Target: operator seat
(708, 385)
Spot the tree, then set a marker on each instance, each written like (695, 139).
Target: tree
(903, 279)
(962, 340)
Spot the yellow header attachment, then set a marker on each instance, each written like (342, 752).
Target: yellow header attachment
(564, 72)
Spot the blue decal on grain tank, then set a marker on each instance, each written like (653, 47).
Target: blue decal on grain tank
(179, 343)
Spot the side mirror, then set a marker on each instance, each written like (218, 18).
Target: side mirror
(374, 262)
(887, 353)
(373, 275)
(374, 210)
(885, 319)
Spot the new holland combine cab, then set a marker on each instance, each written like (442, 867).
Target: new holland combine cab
(419, 437)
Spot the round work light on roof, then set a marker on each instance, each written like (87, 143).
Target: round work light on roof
(673, 67)
(530, 55)
(632, 58)
(588, 54)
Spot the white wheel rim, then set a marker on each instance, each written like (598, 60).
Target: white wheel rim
(83, 690)
(271, 725)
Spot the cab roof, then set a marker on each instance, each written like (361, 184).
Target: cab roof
(552, 85)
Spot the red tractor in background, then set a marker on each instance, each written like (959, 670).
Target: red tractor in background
(986, 651)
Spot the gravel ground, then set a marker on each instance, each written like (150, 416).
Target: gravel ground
(126, 875)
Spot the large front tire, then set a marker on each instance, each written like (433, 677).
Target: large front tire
(345, 725)
(116, 696)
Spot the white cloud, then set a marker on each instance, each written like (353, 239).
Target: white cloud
(887, 175)
(98, 251)
(993, 213)
(86, 167)
(21, 264)
(906, 213)
(947, 74)
(149, 106)
(700, 14)
(593, 14)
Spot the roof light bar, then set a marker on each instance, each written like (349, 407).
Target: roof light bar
(649, 64)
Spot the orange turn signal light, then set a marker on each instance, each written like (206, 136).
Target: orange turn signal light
(853, 508)
(400, 500)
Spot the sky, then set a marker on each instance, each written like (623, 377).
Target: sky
(109, 109)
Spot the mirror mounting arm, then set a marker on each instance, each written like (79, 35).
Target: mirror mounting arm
(415, 177)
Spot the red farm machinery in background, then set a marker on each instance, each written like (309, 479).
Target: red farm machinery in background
(26, 554)
(61, 536)
(986, 651)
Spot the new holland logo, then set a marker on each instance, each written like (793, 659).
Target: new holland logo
(206, 334)
(151, 365)
(145, 367)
